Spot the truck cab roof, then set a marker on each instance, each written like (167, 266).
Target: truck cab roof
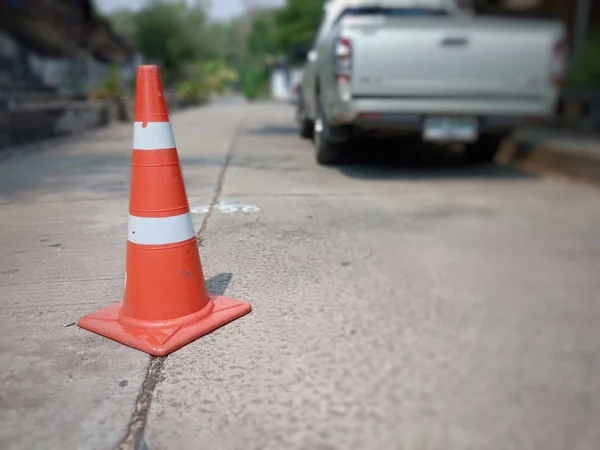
(425, 4)
(334, 8)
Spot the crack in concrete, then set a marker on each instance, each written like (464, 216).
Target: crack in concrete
(220, 181)
(134, 437)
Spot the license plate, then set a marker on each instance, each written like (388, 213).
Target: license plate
(450, 129)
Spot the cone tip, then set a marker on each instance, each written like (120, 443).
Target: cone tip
(148, 69)
(150, 104)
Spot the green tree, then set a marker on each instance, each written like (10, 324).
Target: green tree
(168, 33)
(586, 73)
(124, 24)
(297, 24)
(191, 51)
(262, 38)
(278, 35)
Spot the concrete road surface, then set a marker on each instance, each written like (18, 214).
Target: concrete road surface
(399, 303)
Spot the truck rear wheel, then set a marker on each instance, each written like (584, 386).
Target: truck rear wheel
(329, 142)
(305, 125)
(306, 129)
(328, 153)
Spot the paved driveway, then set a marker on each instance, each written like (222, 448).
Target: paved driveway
(404, 303)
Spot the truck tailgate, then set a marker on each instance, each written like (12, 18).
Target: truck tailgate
(451, 57)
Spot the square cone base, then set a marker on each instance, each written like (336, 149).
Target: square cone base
(161, 342)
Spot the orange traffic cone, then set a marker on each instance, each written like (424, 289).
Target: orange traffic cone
(166, 305)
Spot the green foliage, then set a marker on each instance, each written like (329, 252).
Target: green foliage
(262, 38)
(111, 86)
(192, 92)
(223, 42)
(218, 75)
(200, 57)
(168, 33)
(254, 82)
(587, 72)
(200, 79)
(112, 81)
(297, 25)
(191, 87)
(124, 24)
(243, 46)
(289, 31)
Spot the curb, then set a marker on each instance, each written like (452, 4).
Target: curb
(100, 115)
(551, 159)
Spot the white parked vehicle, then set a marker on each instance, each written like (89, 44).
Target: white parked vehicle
(430, 68)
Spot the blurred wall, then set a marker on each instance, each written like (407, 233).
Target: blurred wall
(52, 54)
(74, 74)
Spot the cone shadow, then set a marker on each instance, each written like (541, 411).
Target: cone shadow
(219, 283)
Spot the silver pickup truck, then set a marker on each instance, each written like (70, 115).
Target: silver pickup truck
(427, 68)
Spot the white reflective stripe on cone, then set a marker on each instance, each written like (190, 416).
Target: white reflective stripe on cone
(161, 230)
(154, 136)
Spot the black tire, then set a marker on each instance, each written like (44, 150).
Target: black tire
(484, 150)
(306, 129)
(306, 126)
(328, 153)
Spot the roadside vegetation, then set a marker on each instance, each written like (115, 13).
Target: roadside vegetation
(199, 58)
(586, 72)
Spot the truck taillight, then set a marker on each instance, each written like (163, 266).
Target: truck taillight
(558, 63)
(343, 58)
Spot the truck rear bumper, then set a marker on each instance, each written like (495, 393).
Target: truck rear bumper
(495, 115)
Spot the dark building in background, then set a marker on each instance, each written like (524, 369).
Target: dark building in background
(52, 54)
(61, 44)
